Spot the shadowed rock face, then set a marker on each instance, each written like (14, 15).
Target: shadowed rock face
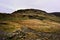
(29, 24)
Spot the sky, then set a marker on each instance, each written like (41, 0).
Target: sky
(9, 6)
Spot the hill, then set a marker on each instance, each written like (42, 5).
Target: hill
(22, 24)
(56, 13)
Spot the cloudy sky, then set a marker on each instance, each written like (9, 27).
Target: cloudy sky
(46, 5)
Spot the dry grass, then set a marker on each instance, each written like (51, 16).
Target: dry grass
(46, 26)
(9, 26)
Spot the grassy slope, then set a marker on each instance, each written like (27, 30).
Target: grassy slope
(31, 21)
(34, 19)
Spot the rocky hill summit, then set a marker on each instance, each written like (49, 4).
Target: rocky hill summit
(29, 24)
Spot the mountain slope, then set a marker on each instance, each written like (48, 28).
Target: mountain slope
(56, 13)
(22, 24)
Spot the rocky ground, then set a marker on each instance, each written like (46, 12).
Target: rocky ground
(30, 34)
